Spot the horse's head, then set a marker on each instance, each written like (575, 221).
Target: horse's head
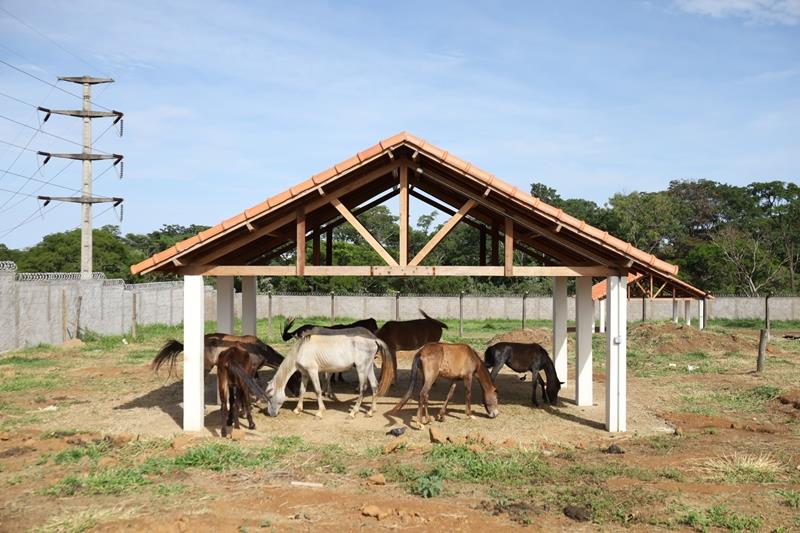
(275, 398)
(490, 402)
(551, 391)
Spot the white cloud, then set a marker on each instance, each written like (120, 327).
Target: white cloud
(785, 12)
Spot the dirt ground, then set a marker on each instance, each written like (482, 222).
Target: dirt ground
(90, 440)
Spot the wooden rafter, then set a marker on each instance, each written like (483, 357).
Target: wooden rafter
(403, 213)
(482, 247)
(315, 251)
(495, 244)
(508, 248)
(329, 246)
(442, 233)
(372, 241)
(300, 256)
(397, 270)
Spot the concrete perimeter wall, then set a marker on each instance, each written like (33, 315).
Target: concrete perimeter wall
(46, 309)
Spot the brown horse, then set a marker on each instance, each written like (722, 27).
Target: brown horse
(234, 366)
(408, 335)
(451, 361)
(215, 343)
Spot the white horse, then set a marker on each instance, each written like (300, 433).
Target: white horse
(328, 351)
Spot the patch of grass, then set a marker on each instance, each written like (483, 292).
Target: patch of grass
(113, 481)
(18, 361)
(461, 463)
(365, 472)
(396, 472)
(136, 357)
(791, 498)
(83, 520)
(215, 456)
(10, 408)
(752, 400)
(14, 480)
(26, 382)
(720, 516)
(59, 434)
(332, 459)
(601, 472)
(428, 485)
(93, 450)
(743, 468)
(170, 489)
(663, 443)
(671, 473)
(66, 487)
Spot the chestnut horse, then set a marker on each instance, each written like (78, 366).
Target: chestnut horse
(522, 357)
(234, 366)
(453, 362)
(215, 343)
(408, 335)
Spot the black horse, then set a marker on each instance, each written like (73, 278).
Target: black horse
(367, 323)
(523, 358)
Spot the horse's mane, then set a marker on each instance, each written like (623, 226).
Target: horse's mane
(287, 367)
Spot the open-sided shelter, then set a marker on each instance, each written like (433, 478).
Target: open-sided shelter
(406, 166)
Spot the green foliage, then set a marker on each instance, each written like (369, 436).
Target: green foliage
(92, 450)
(720, 516)
(459, 462)
(791, 498)
(428, 485)
(27, 362)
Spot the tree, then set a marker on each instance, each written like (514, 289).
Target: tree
(753, 263)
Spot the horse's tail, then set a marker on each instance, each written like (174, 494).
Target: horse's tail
(415, 366)
(286, 326)
(169, 352)
(437, 322)
(388, 366)
(247, 380)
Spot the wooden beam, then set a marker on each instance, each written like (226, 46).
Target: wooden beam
(430, 271)
(329, 246)
(315, 252)
(404, 213)
(310, 205)
(372, 241)
(495, 244)
(442, 233)
(482, 247)
(508, 248)
(300, 258)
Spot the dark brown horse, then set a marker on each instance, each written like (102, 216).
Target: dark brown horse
(368, 323)
(234, 368)
(408, 335)
(522, 357)
(261, 354)
(453, 362)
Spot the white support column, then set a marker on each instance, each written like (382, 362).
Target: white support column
(616, 347)
(584, 326)
(687, 312)
(675, 310)
(701, 323)
(560, 327)
(602, 320)
(193, 361)
(225, 304)
(249, 291)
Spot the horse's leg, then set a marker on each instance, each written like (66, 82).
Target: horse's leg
(247, 408)
(468, 396)
(423, 398)
(236, 402)
(222, 387)
(443, 410)
(320, 404)
(362, 378)
(536, 378)
(303, 382)
(373, 384)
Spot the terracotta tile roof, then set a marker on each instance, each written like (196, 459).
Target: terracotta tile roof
(599, 290)
(333, 173)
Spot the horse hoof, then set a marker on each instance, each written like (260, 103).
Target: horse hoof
(251, 426)
(471, 417)
(297, 411)
(318, 415)
(351, 414)
(369, 414)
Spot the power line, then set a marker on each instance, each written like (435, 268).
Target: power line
(40, 130)
(43, 36)
(31, 178)
(51, 84)
(17, 99)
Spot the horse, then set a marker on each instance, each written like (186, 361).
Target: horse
(261, 354)
(522, 357)
(330, 351)
(409, 335)
(451, 361)
(368, 323)
(234, 366)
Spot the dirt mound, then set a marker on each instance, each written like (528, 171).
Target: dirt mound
(669, 338)
(791, 397)
(541, 336)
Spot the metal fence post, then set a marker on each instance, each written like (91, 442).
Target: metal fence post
(461, 314)
(524, 297)
(333, 307)
(397, 305)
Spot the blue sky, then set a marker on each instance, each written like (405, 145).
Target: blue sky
(227, 103)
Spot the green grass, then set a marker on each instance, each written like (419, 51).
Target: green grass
(720, 516)
(752, 400)
(460, 463)
(92, 450)
(790, 498)
(753, 323)
(26, 382)
(19, 361)
(428, 485)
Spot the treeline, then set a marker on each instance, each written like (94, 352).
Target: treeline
(727, 239)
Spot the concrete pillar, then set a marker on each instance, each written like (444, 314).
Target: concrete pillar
(225, 304)
(687, 312)
(193, 372)
(249, 291)
(584, 326)
(602, 318)
(560, 327)
(616, 348)
(675, 310)
(701, 316)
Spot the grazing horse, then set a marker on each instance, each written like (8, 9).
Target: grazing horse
(367, 323)
(328, 351)
(215, 343)
(454, 362)
(409, 335)
(234, 366)
(522, 357)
